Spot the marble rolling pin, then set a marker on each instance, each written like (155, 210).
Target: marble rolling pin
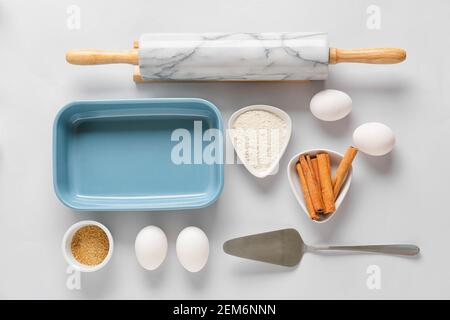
(293, 56)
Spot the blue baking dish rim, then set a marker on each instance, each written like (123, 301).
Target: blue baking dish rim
(175, 100)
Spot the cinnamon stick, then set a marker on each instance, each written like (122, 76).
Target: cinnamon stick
(342, 170)
(315, 168)
(308, 202)
(323, 162)
(314, 190)
(315, 172)
(308, 159)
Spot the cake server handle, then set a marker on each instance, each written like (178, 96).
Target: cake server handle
(395, 249)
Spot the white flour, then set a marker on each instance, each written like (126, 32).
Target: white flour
(258, 137)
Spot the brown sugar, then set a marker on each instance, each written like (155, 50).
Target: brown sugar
(90, 245)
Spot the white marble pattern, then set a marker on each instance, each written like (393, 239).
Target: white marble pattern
(234, 56)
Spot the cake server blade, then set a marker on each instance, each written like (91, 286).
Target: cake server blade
(282, 247)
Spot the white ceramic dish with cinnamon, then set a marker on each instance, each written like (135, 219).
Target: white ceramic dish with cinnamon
(335, 159)
(280, 113)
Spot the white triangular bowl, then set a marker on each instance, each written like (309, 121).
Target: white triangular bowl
(335, 159)
(283, 115)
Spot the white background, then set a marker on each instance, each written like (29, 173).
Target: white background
(402, 197)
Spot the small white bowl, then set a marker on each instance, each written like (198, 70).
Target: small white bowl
(335, 159)
(67, 251)
(283, 115)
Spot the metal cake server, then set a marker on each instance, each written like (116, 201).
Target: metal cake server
(286, 248)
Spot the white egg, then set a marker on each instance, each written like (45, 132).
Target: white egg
(374, 138)
(330, 105)
(151, 247)
(192, 249)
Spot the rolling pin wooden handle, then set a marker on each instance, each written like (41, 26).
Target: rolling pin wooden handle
(368, 55)
(91, 57)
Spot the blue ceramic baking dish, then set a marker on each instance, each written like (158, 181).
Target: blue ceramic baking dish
(119, 155)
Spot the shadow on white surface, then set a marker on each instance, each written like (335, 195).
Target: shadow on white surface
(381, 165)
(338, 128)
(237, 95)
(97, 285)
(245, 267)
